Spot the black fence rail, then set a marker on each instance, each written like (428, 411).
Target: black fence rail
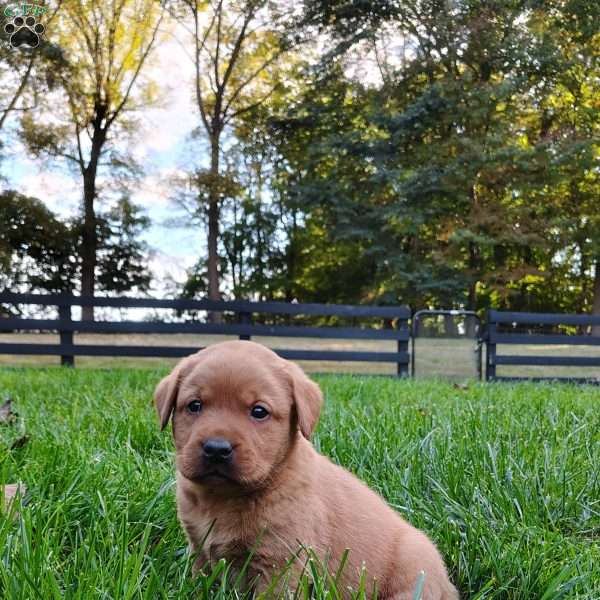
(532, 320)
(246, 320)
(244, 328)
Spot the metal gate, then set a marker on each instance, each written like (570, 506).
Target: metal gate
(447, 344)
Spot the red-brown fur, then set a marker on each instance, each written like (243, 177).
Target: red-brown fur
(281, 492)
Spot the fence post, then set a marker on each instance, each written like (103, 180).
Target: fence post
(66, 337)
(401, 367)
(245, 318)
(490, 349)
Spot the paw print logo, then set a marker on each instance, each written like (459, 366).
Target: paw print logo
(24, 32)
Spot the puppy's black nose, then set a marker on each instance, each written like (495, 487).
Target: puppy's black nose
(217, 449)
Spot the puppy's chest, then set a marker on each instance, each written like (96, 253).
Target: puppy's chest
(233, 535)
(221, 533)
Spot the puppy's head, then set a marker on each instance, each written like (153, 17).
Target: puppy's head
(236, 409)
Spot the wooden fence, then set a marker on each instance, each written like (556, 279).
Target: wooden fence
(516, 319)
(246, 320)
(244, 327)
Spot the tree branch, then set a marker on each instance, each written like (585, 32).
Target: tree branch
(250, 107)
(142, 59)
(251, 78)
(199, 46)
(18, 92)
(237, 47)
(219, 12)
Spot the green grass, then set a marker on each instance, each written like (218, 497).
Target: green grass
(505, 479)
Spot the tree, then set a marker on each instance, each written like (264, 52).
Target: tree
(251, 235)
(36, 248)
(106, 46)
(327, 195)
(122, 256)
(450, 170)
(569, 125)
(237, 53)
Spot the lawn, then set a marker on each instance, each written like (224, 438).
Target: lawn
(505, 479)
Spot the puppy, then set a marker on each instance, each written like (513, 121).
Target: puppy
(250, 482)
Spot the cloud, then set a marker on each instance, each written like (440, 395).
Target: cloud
(59, 191)
(156, 188)
(175, 242)
(164, 266)
(165, 127)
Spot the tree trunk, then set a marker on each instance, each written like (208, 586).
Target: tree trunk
(260, 253)
(89, 243)
(89, 238)
(213, 229)
(213, 257)
(472, 291)
(473, 262)
(291, 259)
(473, 269)
(596, 305)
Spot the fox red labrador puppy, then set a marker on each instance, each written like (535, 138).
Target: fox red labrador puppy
(249, 480)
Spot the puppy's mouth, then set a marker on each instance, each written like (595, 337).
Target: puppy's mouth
(215, 475)
(211, 476)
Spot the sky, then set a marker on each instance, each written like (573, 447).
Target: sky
(160, 146)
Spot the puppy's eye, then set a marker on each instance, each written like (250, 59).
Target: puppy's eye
(195, 406)
(260, 413)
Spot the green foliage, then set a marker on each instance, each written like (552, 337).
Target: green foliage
(36, 248)
(468, 175)
(504, 479)
(122, 256)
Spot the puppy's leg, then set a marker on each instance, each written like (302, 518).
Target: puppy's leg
(275, 583)
(417, 554)
(433, 590)
(429, 594)
(199, 557)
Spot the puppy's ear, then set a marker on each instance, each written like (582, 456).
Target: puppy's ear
(165, 395)
(307, 399)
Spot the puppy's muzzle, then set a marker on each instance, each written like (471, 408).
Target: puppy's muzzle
(217, 450)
